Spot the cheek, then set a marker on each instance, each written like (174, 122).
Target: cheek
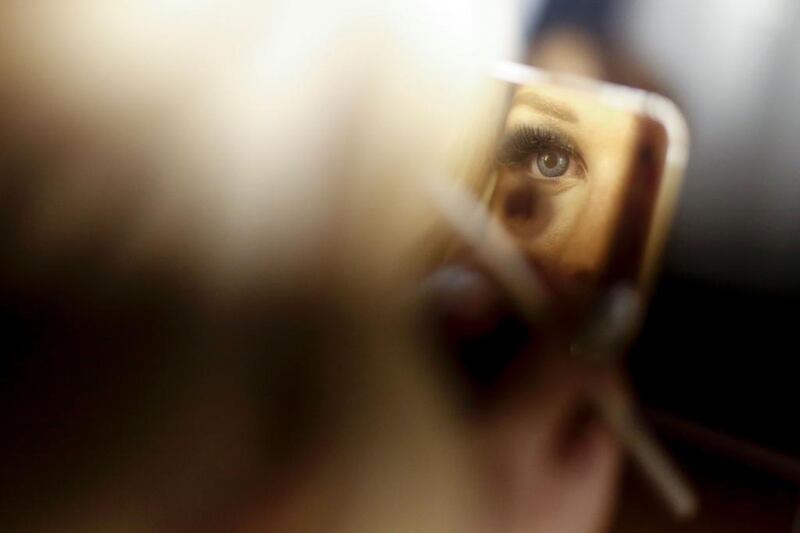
(594, 229)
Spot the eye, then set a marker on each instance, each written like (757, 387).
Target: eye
(548, 157)
(550, 163)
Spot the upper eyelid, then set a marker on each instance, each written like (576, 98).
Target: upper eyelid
(522, 141)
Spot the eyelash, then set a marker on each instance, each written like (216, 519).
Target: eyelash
(525, 141)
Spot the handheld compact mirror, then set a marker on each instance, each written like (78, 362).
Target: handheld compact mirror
(565, 205)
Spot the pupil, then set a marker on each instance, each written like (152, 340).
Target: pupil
(550, 160)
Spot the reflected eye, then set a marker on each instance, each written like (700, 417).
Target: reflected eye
(544, 155)
(551, 163)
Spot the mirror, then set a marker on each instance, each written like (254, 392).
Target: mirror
(574, 183)
(583, 176)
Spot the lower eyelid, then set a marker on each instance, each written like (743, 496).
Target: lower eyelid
(552, 187)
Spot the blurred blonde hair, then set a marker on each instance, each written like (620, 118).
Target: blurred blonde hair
(228, 197)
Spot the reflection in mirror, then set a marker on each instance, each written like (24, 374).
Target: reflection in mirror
(560, 177)
(575, 182)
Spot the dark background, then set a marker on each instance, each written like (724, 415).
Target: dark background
(715, 363)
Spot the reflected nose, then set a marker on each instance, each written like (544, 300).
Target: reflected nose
(524, 211)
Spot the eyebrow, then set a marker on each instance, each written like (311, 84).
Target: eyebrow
(546, 106)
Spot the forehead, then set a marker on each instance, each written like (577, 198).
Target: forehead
(574, 110)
